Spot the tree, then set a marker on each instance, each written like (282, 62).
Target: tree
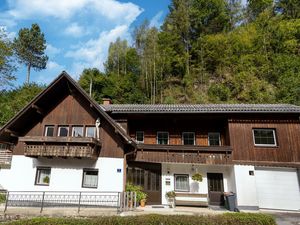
(289, 8)
(256, 7)
(6, 64)
(30, 48)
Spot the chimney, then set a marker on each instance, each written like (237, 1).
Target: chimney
(106, 101)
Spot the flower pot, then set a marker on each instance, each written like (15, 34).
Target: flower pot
(143, 202)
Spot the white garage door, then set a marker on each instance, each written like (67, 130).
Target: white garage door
(277, 188)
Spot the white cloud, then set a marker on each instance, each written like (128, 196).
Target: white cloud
(51, 50)
(75, 30)
(52, 70)
(93, 53)
(156, 21)
(64, 9)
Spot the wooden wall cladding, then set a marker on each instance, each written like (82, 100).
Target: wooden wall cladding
(287, 136)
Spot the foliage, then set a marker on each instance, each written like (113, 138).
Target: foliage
(7, 66)
(12, 101)
(197, 177)
(171, 194)
(30, 48)
(153, 219)
(2, 198)
(46, 179)
(137, 189)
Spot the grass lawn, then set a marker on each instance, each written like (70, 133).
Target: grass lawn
(153, 219)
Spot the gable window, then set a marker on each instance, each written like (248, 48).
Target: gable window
(188, 138)
(139, 136)
(90, 178)
(162, 138)
(90, 132)
(214, 139)
(182, 182)
(63, 131)
(77, 131)
(42, 176)
(264, 137)
(49, 131)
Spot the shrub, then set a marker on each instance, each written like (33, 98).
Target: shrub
(138, 189)
(2, 198)
(153, 219)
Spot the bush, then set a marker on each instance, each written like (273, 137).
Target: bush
(153, 219)
(138, 189)
(2, 198)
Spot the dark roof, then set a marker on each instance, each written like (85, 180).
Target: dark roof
(202, 108)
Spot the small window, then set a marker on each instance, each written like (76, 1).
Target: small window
(264, 137)
(214, 139)
(63, 131)
(90, 132)
(139, 135)
(162, 138)
(77, 131)
(182, 182)
(42, 176)
(90, 178)
(188, 138)
(49, 131)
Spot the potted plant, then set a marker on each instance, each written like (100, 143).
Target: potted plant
(171, 198)
(197, 177)
(143, 197)
(46, 179)
(140, 195)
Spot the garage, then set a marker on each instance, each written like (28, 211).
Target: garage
(277, 188)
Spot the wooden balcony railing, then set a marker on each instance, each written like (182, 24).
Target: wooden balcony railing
(183, 154)
(61, 147)
(5, 155)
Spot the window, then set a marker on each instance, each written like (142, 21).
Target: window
(214, 139)
(49, 131)
(63, 131)
(162, 138)
(42, 176)
(90, 178)
(264, 137)
(90, 132)
(77, 131)
(139, 136)
(182, 182)
(188, 138)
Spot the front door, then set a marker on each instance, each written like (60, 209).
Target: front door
(215, 188)
(147, 175)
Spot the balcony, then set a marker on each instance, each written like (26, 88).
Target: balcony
(76, 147)
(183, 154)
(5, 155)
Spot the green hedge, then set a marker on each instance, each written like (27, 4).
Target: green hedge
(153, 219)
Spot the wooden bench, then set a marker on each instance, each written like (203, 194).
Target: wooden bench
(191, 199)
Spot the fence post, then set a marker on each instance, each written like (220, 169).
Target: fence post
(119, 202)
(135, 203)
(125, 200)
(6, 202)
(79, 202)
(131, 200)
(42, 206)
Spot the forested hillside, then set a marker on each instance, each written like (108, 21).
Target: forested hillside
(207, 52)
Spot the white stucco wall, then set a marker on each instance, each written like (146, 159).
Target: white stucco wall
(195, 187)
(66, 174)
(245, 186)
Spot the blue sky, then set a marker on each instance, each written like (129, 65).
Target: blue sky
(78, 32)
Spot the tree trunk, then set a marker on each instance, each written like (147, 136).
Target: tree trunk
(28, 73)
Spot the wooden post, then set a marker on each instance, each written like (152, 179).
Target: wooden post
(42, 206)
(6, 202)
(79, 202)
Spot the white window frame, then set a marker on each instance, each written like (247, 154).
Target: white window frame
(83, 174)
(46, 130)
(219, 138)
(38, 175)
(77, 127)
(187, 132)
(59, 128)
(188, 182)
(86, 131)
(143, 136)
(162, 132)
(265, 145)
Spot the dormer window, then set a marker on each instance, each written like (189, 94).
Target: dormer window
(49, 131)
(139, 136)
(63, 131)
(77, 131)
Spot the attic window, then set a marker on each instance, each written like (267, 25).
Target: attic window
(77, 131)
(49, 131)
(63, 131)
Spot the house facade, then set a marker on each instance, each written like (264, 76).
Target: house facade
(64, 141)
